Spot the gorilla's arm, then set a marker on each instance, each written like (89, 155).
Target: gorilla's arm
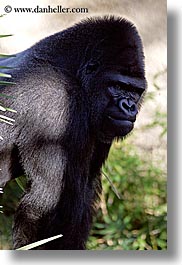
(59, 190)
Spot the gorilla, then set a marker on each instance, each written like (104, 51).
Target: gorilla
(76, 91)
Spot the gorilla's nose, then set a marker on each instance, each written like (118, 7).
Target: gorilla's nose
(128, 107)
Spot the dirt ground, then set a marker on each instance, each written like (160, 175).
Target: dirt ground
(150, 17)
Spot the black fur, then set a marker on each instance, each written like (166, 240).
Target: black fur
(66, 95)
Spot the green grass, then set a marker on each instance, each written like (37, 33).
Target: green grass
(138, 221)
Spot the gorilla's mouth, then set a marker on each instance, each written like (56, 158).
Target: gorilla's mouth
(119, 120)
(119, 117)
(115, 126)
(116, 121)
(120, 127)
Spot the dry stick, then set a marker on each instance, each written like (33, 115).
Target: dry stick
(112, 186)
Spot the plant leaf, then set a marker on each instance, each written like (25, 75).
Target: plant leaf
(112, 186)
(6, 67)
(5, 75)
(2, 120)
(6, 118)
(3, 36)
(39, 243)
(18, 181)
(7, 83)
(6, 56)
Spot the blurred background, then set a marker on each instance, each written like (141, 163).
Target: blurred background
(137, 166)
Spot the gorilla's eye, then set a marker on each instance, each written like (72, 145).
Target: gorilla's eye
(92, 67)
(114, 91)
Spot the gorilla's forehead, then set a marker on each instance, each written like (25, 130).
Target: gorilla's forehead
(118, 53)
(128, 80)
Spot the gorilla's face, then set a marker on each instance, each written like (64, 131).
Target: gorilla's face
(124, 95)
(115, 100)
(113, 77)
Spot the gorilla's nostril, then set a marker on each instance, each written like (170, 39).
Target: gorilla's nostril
(125, 106)
(133, 107)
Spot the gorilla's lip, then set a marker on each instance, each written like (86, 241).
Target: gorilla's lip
(120, 122)
(121, 119)
(119, 115)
